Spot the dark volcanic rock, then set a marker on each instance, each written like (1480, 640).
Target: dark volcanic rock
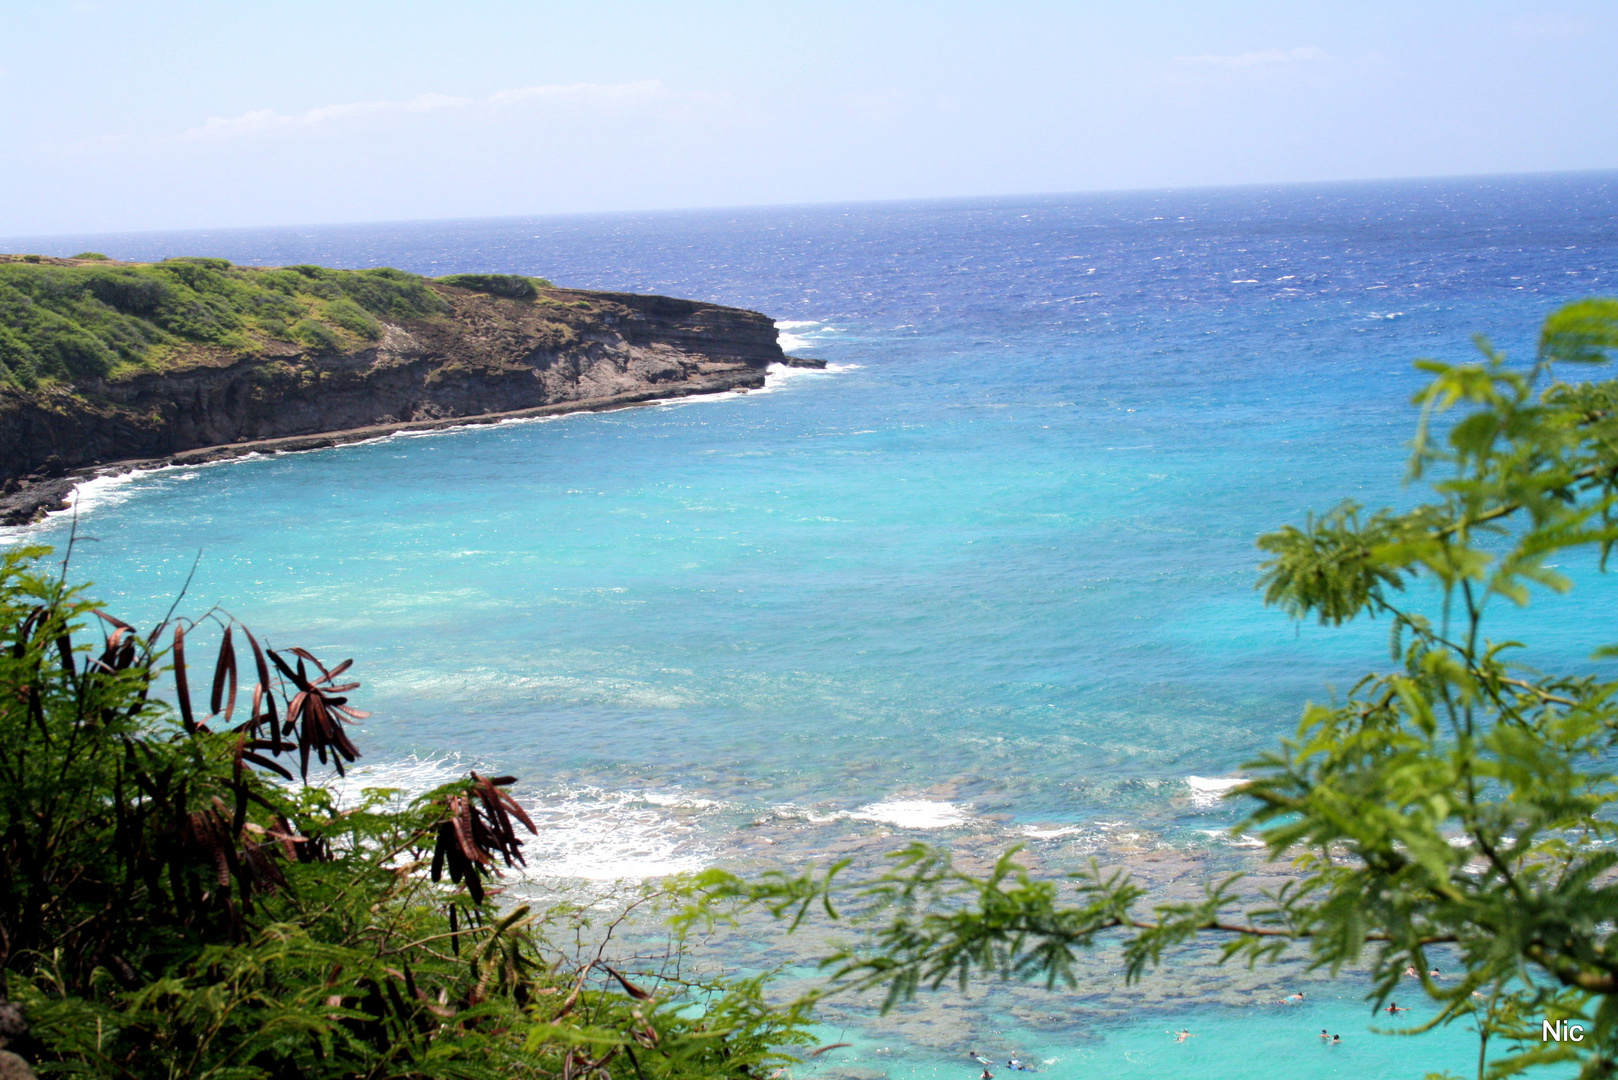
(491, 357)
(13, 1036)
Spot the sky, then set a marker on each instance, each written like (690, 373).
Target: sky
(119, 116)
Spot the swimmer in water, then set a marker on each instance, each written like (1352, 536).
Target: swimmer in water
(987, 1075)
(979, 1058)
(1336, 1040)
(1182, 1035)
(1394, 1008)
(1324, 1036)
(1412, 972)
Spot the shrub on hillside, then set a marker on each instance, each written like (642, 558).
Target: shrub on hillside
(392, 294)
(316, 335)
(510, 286)
(17, 362)
(347, 314)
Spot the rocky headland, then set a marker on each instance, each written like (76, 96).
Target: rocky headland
(341, 356)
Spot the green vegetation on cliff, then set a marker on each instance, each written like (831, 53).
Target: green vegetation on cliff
(510, 286)
(67, 321)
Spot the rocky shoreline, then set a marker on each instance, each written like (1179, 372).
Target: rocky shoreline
(493, 359)
(34, 498)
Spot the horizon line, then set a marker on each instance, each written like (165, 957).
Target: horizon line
(7, 240)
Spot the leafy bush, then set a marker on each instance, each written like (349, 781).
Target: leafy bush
(347, 314)
(179, 900)
(510, 286)
(317, 335)
(95, 255)
(80, 354)
(17, 362)
(128, 291)
(202, 261)
(392, 294)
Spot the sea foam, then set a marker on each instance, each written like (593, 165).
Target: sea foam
(914, 814)
(1208, 791)
(602, 835)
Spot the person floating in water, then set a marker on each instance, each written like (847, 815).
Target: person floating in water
(1326, 1037)
(1293, 999)
(1394, 1008)
(987, 1075)
(1336, 1040)
(979, 1058)
(1181, 1035)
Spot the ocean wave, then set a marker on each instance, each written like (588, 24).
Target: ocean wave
(100, 492)
(791, 341)
(584, 833)
(777, 375)
(1224, 836)
(903, 813)
(587, 680)
(678, 799)
(597, 835)
(1209, 790)
(411, 776)
(914, 814)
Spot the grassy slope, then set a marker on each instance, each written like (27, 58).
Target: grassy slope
(72, 320)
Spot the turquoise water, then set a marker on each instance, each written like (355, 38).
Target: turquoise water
(1269, 1040)
(987, 579)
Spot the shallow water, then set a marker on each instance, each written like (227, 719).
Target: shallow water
(988, 579)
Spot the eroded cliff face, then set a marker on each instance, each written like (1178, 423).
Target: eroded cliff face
(490, 355)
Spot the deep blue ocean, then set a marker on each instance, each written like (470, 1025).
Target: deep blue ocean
(988, 579)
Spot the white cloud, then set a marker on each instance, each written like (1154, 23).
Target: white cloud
(572, 95)
(1263, 58)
